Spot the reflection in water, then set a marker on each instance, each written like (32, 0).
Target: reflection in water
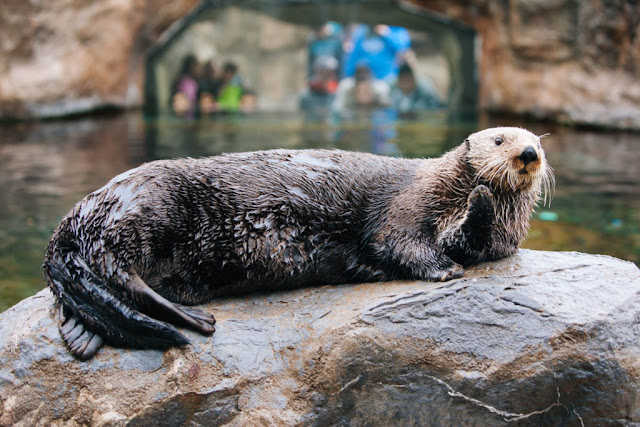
(45, 168)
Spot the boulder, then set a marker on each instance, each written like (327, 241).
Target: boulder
(541, 338)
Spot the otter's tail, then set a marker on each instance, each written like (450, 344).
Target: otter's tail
(94, 311)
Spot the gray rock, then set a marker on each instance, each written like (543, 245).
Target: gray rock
(542, 338)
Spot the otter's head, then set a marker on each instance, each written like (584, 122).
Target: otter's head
(510, 159)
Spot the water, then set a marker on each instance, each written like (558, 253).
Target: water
(45, 168)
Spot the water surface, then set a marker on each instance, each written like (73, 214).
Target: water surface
(45, 168)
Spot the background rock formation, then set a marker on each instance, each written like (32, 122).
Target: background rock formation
(65, 57)
(542, 338)
(570, 61)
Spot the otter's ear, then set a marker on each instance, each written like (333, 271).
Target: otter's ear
(467, 143)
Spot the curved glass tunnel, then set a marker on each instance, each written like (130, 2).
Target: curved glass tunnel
(269, 41)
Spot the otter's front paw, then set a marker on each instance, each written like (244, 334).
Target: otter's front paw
(478, 225)
(481, 200)
(454, 272)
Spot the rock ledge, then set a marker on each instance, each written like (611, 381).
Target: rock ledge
(542, 338)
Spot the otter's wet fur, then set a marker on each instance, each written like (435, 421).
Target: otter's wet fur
(173, 232)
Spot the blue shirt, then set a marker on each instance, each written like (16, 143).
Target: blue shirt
(380, 53)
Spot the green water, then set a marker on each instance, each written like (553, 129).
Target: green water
(45, 168)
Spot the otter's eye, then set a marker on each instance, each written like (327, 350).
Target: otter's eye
(499, 141)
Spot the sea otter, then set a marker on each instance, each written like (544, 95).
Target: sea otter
(128, 259)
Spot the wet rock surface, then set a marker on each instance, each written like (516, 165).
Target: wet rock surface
(542, 338)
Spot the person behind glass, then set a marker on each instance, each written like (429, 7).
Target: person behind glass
(327, 43)
(316, 101)
(184, 98)
(230, 93)
(208, 90)
(361, 92)
(381, 47)
(410, 95)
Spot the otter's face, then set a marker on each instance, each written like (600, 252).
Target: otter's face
(509, 158)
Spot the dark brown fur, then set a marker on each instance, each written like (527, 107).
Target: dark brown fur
(185, 231)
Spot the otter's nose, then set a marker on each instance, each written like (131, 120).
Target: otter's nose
(528, 155)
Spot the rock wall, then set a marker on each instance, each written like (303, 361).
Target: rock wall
(64, 57)
(570, 61)
(542, 338)
(565, 60)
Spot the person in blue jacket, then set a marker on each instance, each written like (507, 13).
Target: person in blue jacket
(382, 47)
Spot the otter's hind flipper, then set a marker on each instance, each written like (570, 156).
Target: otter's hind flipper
(198, 314)
(82, 343)
(156, 306)
(92, 308)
